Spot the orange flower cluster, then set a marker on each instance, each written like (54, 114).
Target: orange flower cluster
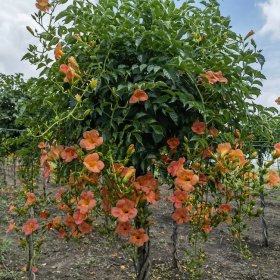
(142, 188)
(214, 77)
(78, 203)
(70, 70)
(229, 159)
(147, 186)
(185, 180)
(91, 141)
(50, 154)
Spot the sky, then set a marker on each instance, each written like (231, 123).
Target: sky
(262, 16)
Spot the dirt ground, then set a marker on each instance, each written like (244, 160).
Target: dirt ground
(102, 256)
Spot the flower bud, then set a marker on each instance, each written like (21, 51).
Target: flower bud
(237, 133)
(93, 83)
(131, 149)
(78, 97)
(78, 37)
(30, 30)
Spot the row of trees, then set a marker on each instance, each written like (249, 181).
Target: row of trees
(132, 94)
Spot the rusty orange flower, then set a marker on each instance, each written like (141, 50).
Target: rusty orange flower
(173, 143)
(137, 96)
(277, 101)
(69, 153)
(79, 217)
(224, 208)
(58, 51)
(179, 198)
(30, 226)
(199, 127)
(249, 34)
(181, 216)
(124, 229)
(42, 5)
(93, 164)
(31, 199)
(85, 228)
(273, 179)
(214, 77)
(70, 222)
(208, 153)
(138, 237)
(86, 202)
(44, 214)
(91, 140)
(69, 72)
(11, 226)
(186, 179)
(223, 149)
(61, 233)
(152, 197)
(220, 77)
(236, 157)
(124, 210)
(55, 223)
(55, 152)
(146, 183)
(206, 227)
(214, 132)
(128, 173)
(276, 150)
(176, 166)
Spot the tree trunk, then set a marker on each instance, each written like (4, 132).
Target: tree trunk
(143, 265)
(263, 220)
(14, 171)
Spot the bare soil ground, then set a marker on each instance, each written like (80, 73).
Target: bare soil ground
(103, 256)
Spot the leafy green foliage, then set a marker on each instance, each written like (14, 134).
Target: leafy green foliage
(12, 96)
(151, 45)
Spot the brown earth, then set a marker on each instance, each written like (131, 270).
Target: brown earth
(104, 256)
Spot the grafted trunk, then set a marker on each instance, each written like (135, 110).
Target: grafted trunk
(143, 266)
(263, 220)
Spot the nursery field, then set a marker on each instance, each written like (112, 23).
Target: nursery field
(100, 255)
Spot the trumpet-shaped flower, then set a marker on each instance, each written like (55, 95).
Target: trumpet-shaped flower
(173, 143)
(179, 198)
(175, 166)
(137, 96)
(138, 237)
(69, 153)
(42, 5)
(91, 140)
(199, 127)
(124, 229)
(93, 164)
(181, 216)
(30, 226)
(124, 210)
(186, 179)
(214, 77)
(87, 202)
